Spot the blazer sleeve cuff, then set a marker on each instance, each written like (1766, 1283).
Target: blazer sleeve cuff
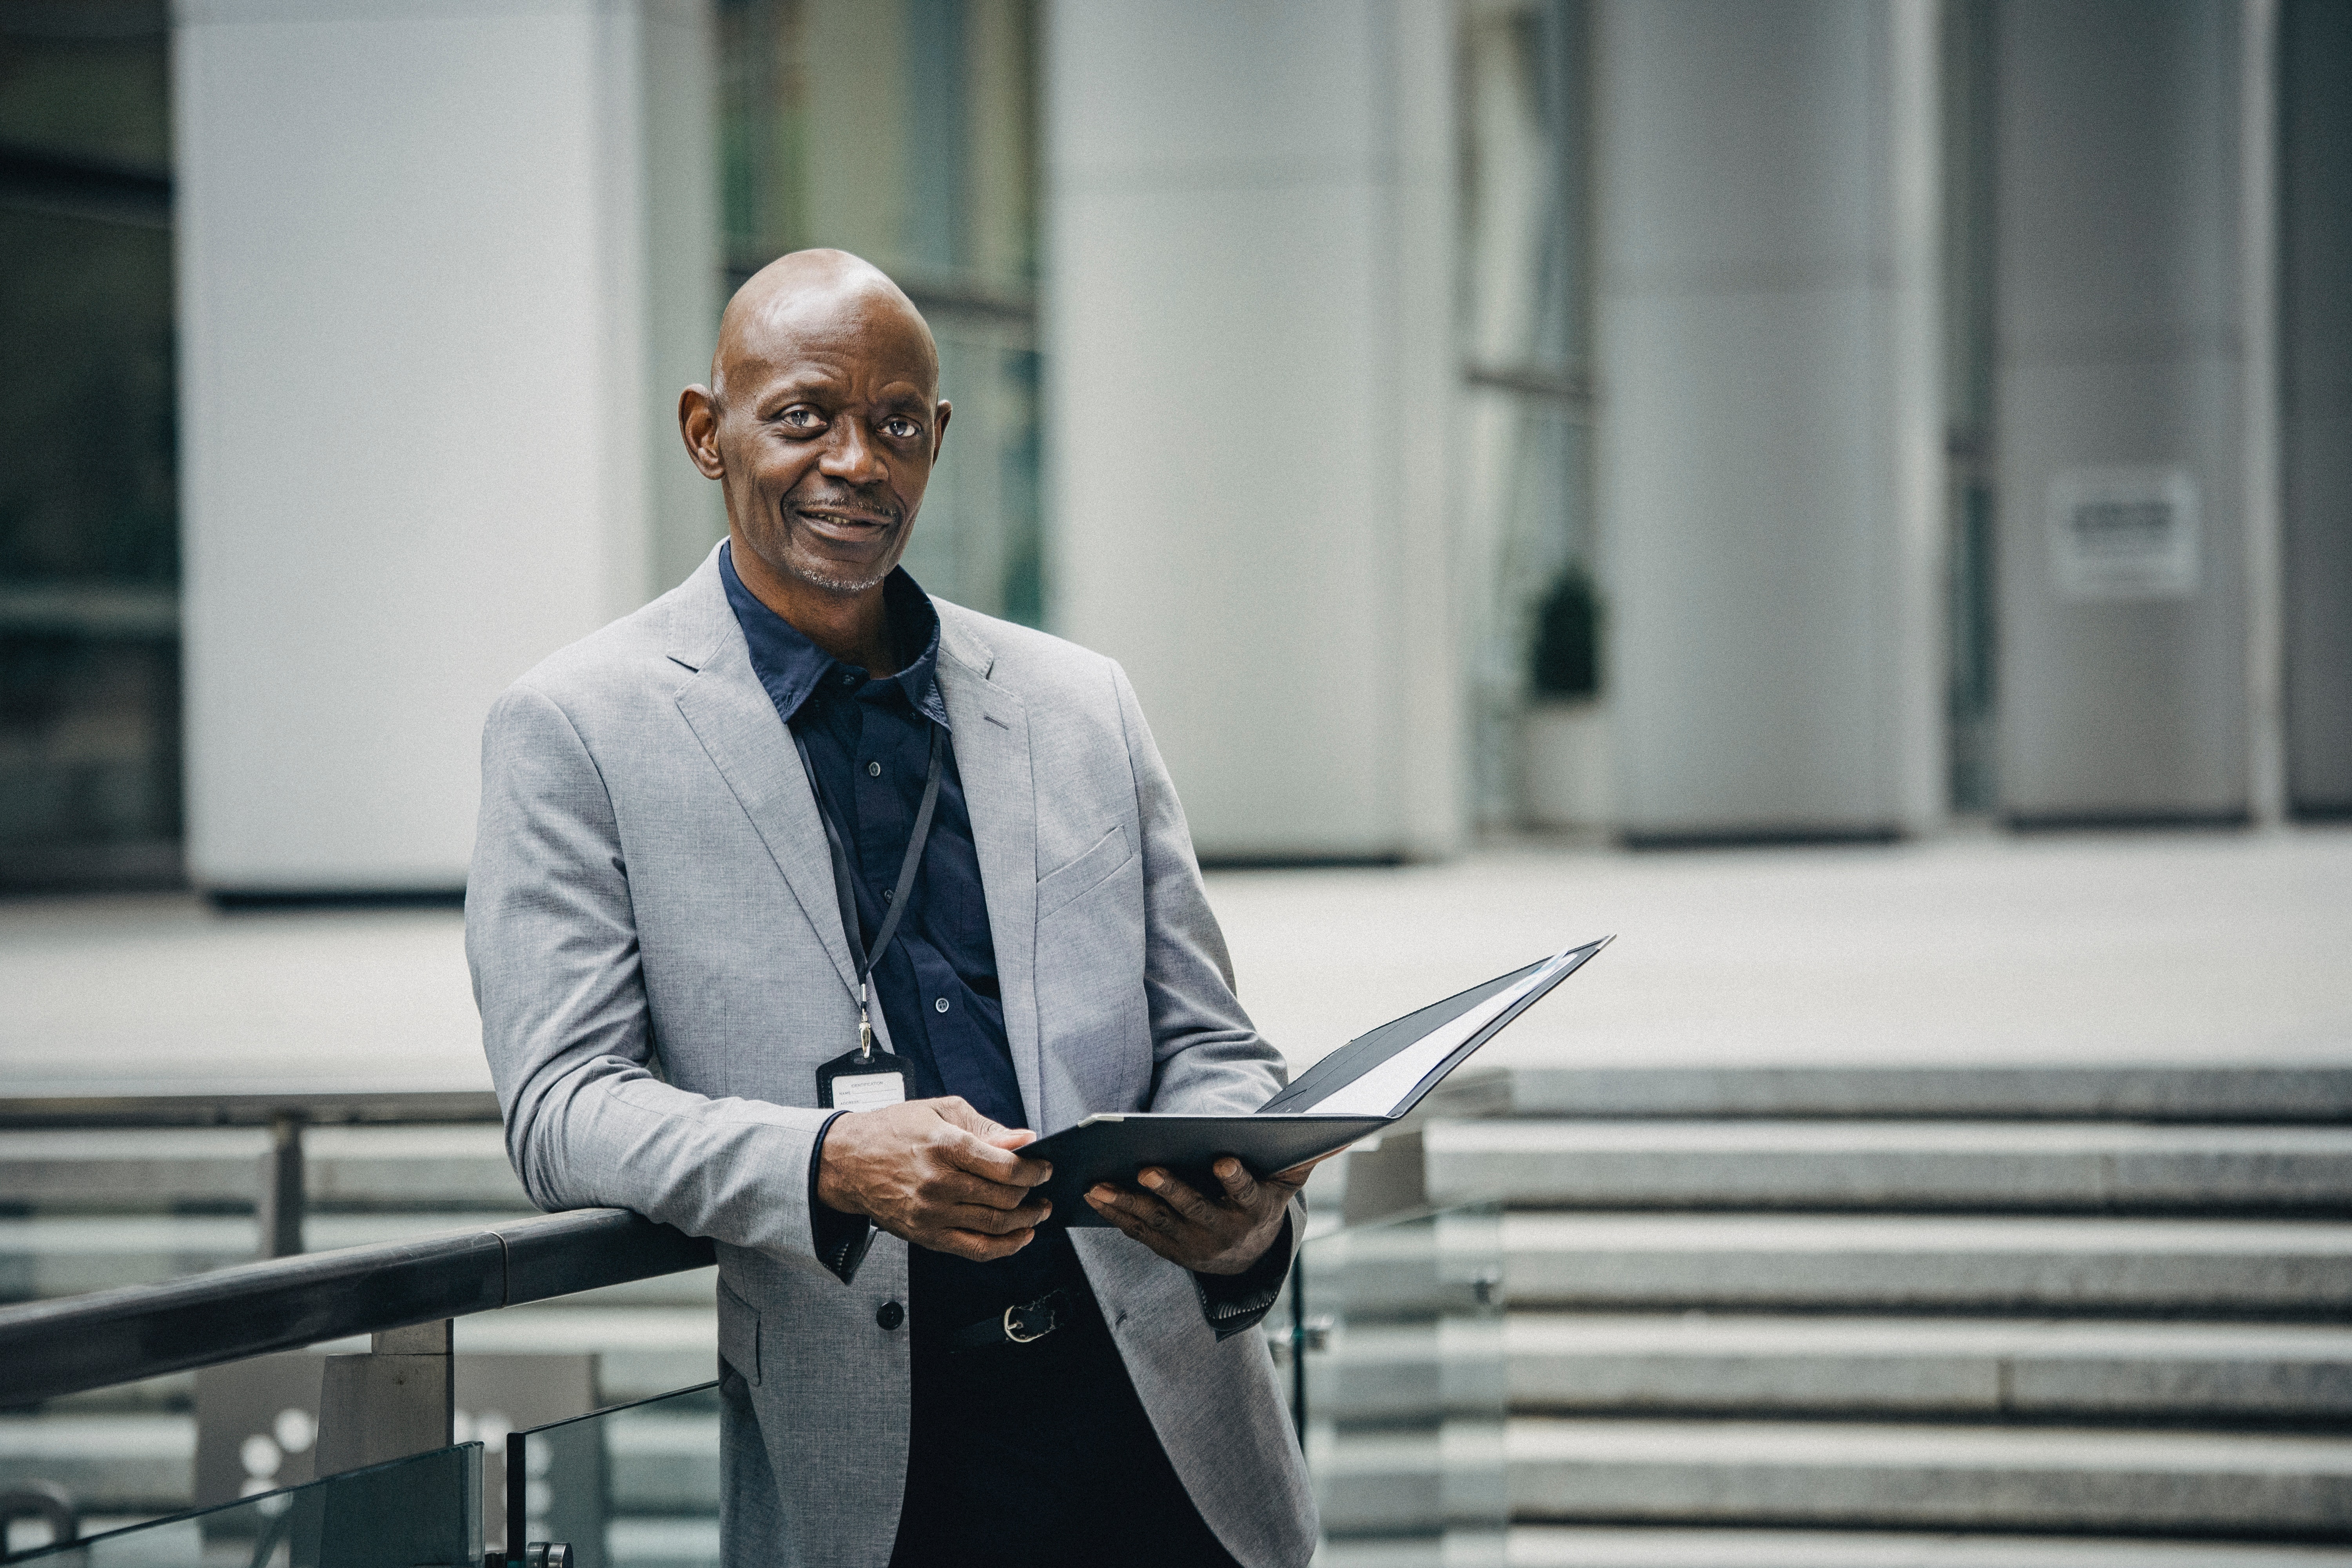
(1234, 1303)
(840, 1239)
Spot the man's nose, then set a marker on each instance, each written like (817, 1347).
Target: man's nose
(851, 455)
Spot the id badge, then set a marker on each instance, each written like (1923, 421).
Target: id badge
(855, 1083)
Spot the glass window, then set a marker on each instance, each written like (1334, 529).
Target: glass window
(1525, 333)
(906, 130)
(89, 686)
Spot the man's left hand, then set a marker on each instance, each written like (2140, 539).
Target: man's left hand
(1223, 1233)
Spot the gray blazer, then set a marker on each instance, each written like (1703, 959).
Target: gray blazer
(659, 961)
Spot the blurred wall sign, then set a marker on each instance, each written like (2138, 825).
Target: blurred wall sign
(2124, 533)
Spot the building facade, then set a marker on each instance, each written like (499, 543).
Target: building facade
(1674, 421)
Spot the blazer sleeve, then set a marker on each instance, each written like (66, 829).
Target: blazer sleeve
(1208, 1057)
(552, 946)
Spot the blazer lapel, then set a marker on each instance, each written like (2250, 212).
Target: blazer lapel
(729, 713)
(991, 748)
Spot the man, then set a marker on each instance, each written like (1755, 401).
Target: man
(794, 780)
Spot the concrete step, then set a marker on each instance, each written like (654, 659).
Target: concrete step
(1930, 1477)
(2067, 1166)
(657, 1542)
(2206, 1374)
(2221, 1268)
(2222, 1374)
(1408, 1481)
(144, 1171)
(661, 1463)
(664, 1464)
(1632, 1546)
(641, 1350)
(2312, 1092)
(137, 1458)
(131, 1464)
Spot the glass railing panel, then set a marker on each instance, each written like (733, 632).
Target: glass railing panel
(1398, 1329)
(636, 1486)
(423, 1512)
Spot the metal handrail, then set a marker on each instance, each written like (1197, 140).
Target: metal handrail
(381, 1106)
(48, 1349)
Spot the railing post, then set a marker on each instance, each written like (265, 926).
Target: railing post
(279, 1209)
(1298, 1346)
(397, 1400)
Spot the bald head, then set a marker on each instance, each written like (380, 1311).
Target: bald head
(819, 292)
(822, 421)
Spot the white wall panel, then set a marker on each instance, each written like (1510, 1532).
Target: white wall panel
(2119, 346)
(1249, 266)
(419, 362)
(1771, 435)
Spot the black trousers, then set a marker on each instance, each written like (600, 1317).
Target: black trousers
(1040, 1456)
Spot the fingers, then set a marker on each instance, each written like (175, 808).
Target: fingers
(976, 1246)
(1241, 1187)
(989, 1220)
(957, 1111)
(1141, 1215)
(967, 1150)
(946, 1185)
(1179, 1195)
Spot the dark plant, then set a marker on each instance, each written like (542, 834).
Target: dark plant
(1568, 637)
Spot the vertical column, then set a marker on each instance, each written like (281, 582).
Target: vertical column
(2317, 417)
(1771, 425)
(2120, 410)
(1249, 247)
(442, 271)
(281, 1199)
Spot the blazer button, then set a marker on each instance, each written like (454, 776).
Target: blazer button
(891, 1315)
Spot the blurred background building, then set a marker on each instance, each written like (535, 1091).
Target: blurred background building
(1790, 420)
(1524, 427)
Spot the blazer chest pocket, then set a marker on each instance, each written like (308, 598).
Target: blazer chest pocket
(739, 1334)
(1074, 878)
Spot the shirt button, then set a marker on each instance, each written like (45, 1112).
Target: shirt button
(874, 770)
(849, 678)
(891, 1315)
(941, 1006)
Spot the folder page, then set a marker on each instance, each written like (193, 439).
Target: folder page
(1381, 1091)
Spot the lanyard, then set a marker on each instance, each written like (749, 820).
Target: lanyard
(845, 887)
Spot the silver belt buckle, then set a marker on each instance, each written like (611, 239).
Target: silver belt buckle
(1017, 1336)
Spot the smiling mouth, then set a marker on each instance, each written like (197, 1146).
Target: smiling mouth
(847, 521)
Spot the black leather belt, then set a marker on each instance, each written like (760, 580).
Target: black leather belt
(1018, 1325)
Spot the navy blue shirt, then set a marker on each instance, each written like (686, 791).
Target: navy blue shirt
(868, 740)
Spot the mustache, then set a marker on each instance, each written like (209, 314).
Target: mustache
(881, 505)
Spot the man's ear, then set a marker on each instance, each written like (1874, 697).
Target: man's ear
(940, 428)
(698, 422)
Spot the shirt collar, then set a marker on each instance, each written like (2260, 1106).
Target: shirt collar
(791, 668)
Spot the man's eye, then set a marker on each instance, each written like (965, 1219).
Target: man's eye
(901, 428)
(799, 419)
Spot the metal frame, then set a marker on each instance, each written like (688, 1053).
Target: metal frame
(378, 1107)
(260, 1308)
(49, 1349)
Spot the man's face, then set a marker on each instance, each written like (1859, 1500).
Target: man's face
(827, 428)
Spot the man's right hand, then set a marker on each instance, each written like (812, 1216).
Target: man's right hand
(938, 1173)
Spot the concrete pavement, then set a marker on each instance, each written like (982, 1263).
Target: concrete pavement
(1966, 950)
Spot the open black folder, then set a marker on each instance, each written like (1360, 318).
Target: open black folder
(1357, 1091)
